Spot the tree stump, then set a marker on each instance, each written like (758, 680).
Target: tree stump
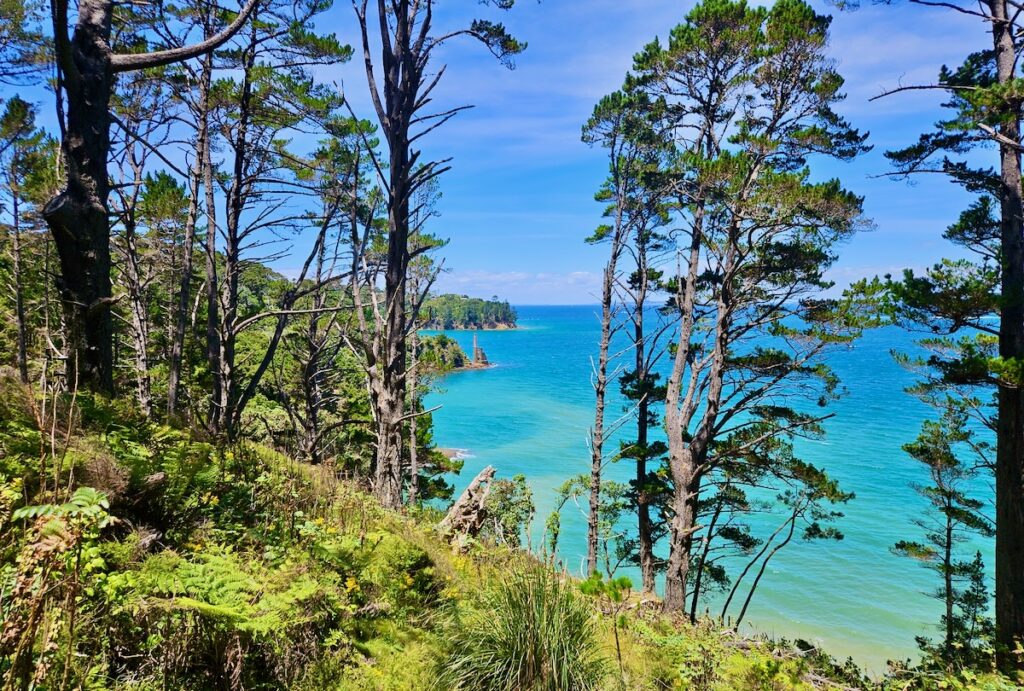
(466, 516)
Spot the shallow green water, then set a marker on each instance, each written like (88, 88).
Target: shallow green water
(530, 414)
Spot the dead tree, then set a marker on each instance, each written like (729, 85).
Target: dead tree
(610, 126)
(141, 129)
(400, 102)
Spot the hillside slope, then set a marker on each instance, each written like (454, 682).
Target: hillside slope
(151, 558)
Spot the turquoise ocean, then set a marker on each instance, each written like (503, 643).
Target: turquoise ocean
(530, 414)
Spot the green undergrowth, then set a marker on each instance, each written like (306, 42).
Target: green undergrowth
(134, 555)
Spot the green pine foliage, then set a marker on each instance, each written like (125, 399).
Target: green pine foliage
(966, 642)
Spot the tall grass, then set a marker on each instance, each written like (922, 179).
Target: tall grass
(531, 632)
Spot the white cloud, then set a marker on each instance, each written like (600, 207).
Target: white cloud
(523, 287)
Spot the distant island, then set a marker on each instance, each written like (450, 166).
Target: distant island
(450, 311)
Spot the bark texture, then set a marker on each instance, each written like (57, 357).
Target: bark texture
(78, 217)
(1010, 432)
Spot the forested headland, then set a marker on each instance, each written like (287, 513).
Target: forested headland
(217, 466)
(463, 312)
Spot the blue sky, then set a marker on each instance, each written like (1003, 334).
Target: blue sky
(519, 201)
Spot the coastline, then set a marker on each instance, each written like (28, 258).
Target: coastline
(472, 366)
(530, 416)
(490, 327)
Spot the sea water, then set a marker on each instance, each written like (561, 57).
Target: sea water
(531, 413)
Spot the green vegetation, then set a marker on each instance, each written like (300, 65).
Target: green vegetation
(214, 476)
(440, 354)
(463, 312)
(191, 565)
(531, 630)
(967, 631)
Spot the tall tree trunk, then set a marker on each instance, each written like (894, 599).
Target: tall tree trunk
(313, 369)
(685, 493)
(391, 397)
(135, 278)
(645, 541)
(687, 458)
(1010, 431)
(78, 216)
(682, 465)
(181, 311)
(19, 292)
(414, 466)
(645, 538)
(947, 578)
(228, 296)
(600, 391)
(226, 357)
(213, 288)
(312, 382)
(387, 480)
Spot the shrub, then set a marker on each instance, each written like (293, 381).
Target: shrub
(529, 631)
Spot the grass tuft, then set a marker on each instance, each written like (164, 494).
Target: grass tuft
(529, 630)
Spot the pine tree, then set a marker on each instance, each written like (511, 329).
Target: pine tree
(747, 97)
(954, 517)
(955, 298)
